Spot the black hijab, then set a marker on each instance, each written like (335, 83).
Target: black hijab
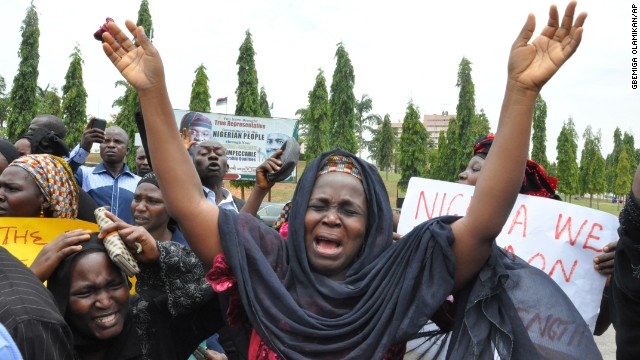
(390, 291)
(60, 284)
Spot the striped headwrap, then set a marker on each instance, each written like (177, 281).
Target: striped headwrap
(55, 180)
(339, 163)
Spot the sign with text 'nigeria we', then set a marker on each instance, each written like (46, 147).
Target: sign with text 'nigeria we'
(249, 140)
(559, 238)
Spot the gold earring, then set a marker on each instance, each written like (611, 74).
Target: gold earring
(41, 211)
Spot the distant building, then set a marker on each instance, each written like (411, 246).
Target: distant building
(433, 123)
(436, 124)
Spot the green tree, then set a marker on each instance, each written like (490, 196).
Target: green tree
(413, 147)
(567, 148)
(49, 102)
(144, 18)
(590, 152)
(623, 181)
(598, 181)
(553, 169)
(628, 144)
(265, 111)
(539, 138)
(247, 96)
(384, 141)
(464, 129)
(343, 102)
(439, 169)
(23, 101)
(481, 125)
(74, 99)
(317, 119)
(200, 98)
(365, 121)
(129, 103)
(4, 104)
(612, 160)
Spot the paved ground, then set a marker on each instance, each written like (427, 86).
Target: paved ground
(607, 344)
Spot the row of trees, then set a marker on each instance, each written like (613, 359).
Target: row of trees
(331, 119)
(26, 99)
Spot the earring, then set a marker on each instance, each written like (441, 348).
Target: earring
(41, 211)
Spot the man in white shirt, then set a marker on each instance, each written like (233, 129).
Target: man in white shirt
(210, 160)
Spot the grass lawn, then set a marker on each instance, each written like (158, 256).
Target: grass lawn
(283, 192)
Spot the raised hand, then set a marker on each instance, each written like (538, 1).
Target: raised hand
(271, 165)
(186, 139)
(532, 65)
(141, 66)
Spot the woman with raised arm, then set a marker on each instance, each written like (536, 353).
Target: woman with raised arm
(338, 287)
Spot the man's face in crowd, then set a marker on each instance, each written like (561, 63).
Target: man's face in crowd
(142, 165)
(115, 145)
(210, 159)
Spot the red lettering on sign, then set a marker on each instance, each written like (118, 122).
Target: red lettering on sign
(426, 209)
(538, 256)
(592, 236)
(522, 211)
(564, 272)
(37, 238)
(451, 204)
(567, 225)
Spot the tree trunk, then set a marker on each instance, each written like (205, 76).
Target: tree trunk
(591, 201)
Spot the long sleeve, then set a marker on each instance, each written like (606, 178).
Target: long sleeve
(179, 274)
(77, 157)
(43, 340)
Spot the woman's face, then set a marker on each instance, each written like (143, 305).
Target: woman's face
(335, 224)
(98, 297)
(148, 208)
(19, 194)
(470, 175)
(3, 163)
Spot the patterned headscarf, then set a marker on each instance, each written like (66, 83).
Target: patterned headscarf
(55, 180)
(339, 163)
(483, 145)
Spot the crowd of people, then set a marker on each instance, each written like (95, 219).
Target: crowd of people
(331, 280)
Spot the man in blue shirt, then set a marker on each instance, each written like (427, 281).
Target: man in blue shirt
(111, 183)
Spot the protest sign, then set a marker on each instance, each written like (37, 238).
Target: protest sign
(25, 237)
(249, 140)
(559, 238)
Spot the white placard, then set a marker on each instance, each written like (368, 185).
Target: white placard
(559, 238)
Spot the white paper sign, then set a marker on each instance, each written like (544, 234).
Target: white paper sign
(559, 238)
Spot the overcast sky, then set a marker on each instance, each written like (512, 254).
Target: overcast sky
(400, 50)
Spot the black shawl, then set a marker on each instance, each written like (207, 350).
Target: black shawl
(389, 292)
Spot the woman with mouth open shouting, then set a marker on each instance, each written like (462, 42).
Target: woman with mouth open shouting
(338, 287)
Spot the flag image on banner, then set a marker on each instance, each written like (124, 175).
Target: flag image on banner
(221, 101)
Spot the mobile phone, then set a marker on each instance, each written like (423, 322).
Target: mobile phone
(99, 124)
(289, 158)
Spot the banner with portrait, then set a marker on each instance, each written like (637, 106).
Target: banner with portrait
(249, 140)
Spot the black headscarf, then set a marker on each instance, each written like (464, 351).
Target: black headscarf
(45, 141)
(60, 285)
(390, 291)
(8, 150)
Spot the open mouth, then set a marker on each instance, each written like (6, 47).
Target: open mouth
(140, 220)
(326, 246)
(106, 321)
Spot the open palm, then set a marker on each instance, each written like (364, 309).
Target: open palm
(140, 65)
(532, 65)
